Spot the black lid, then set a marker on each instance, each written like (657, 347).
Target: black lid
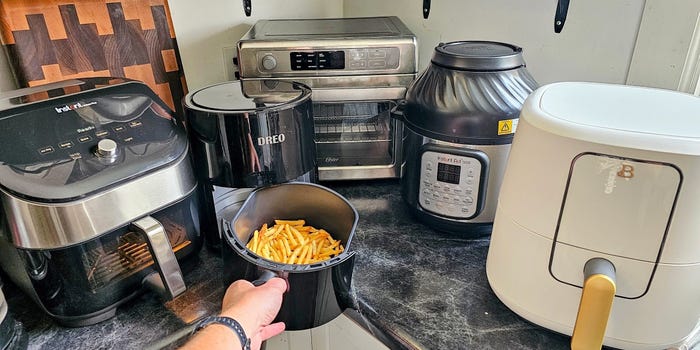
(478, 55)
(48, 151)
(471, 95)
(237, 97)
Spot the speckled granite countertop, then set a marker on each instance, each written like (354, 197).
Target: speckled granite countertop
(425, 288)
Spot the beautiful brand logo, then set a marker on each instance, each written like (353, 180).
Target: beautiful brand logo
(270, 140)
(331, 159)
(74, 106)
(624, 171)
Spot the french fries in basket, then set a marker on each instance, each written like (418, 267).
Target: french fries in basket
(291, 242)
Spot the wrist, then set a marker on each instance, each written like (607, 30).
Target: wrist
(220, 335)
(249, 325)
(227, 328)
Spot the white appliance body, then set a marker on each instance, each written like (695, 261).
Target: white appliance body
(603, 171)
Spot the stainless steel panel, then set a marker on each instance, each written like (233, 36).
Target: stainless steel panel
(359, 172)
(497, 155)
(250, 57)
(35, 225)
(272, 41)
(343, 88)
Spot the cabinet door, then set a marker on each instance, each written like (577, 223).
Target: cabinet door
(667, 52)
(290, 340)
(340, 334)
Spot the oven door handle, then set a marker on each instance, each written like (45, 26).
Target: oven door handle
(168, 282)
(358, 94)
(397, 111)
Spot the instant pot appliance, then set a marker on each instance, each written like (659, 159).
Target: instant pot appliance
(98, 196)
(460, 115)
(358, 69)
(596, 232)
(318, 292)
(247, 135)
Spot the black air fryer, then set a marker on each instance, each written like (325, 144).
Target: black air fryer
(318, 292)
(247, 135)
(98, 196)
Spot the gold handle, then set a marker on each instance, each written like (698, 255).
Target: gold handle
(596, 302)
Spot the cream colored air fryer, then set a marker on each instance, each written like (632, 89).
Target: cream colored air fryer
(597, 231)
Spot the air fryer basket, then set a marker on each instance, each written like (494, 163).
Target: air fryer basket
(317, 292)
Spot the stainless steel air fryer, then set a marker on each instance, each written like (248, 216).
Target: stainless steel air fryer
(98, 196)
(460, 117)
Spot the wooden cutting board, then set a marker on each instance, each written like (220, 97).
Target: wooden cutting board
(53, 40)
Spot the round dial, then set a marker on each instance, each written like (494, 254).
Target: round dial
(269, 62)
(106, 148)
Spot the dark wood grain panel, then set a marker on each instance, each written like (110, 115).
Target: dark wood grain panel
(86, 53)
(50, 40)
(42, 42)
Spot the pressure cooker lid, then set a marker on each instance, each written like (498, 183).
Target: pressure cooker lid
(478, 55)
(58, 149)
(249, 96)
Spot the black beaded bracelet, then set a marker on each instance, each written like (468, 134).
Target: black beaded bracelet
(230, 323)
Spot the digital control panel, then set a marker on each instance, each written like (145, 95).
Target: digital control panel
(299, 61)
(68, 130)
(122, 133)
(450, 184)
(375, 58)
(317, 60)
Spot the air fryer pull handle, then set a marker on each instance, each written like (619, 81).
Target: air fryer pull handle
(170, 284)
(266, 276)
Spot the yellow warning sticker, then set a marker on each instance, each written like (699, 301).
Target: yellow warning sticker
(507, 127)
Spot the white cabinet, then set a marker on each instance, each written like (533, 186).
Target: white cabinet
(340, 334)
(667, 51)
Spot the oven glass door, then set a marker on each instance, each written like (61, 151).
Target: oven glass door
(354, 133)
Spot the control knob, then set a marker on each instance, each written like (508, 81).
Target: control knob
(106, 148)
(269, 62)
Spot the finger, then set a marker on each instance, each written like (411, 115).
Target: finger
(270, 331)
(276, 283)
(240, 285)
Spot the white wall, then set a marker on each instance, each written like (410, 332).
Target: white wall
(207, 30)
(596, 44)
